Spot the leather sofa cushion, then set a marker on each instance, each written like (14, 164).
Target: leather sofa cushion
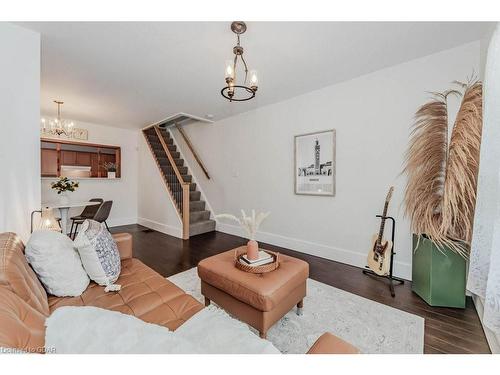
(17, 276)
(22, 327)
(144, 294)
(124, 244)
(264, 292)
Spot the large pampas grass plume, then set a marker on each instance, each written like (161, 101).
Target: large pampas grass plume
(440, 195)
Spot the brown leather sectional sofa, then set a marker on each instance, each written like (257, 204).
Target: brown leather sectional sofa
(24, 303)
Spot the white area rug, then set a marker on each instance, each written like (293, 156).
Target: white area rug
(370, 326)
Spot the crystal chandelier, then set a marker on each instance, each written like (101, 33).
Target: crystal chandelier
(57, 126)
(246, 90)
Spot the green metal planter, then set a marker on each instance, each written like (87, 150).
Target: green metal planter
(438, 277)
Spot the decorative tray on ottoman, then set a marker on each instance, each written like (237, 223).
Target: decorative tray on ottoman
(238, 263)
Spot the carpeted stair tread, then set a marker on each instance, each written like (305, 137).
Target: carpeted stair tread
(168, 169)
(175, 186)
(197, 216)
(158, 146)
(196, 206)
(201, 227)
(185, 178)
(194, 196)
(174, 154)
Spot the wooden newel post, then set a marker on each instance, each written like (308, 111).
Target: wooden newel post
(185, 210)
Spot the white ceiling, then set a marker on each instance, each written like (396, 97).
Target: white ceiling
(132, 74)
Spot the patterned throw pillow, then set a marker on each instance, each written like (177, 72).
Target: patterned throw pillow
(99, 253)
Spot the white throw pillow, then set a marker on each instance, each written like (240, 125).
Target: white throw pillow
(57, 264)
(99, 253)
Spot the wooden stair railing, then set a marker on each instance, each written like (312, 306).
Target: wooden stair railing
(181, 198)
(193, 151)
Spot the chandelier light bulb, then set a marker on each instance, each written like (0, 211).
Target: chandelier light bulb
(229, 70)
(254, 80)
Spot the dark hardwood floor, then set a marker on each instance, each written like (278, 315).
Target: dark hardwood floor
(446, 330)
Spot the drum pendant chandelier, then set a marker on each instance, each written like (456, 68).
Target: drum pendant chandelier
(233, 91)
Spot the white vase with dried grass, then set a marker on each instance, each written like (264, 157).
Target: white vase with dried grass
(250, 225)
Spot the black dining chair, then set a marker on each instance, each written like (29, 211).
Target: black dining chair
(100, 216)
(87, 213)
(103, 213)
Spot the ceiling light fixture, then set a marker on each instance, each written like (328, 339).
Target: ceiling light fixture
(245, 91)
(57, 126)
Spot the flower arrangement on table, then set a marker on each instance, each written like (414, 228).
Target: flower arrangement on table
(64, 184)
(250, 225)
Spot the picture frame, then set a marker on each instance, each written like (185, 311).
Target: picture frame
(315, 164)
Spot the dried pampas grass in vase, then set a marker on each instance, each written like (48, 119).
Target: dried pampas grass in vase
(250, 225)
(440, 194)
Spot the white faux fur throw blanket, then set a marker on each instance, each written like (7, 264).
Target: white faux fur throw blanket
(91, 330)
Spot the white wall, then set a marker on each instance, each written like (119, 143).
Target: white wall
(19, 122)
(250, 158)
(483, 51)
(122, 191)
(156, 209)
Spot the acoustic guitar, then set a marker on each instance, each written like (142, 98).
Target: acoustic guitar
(379, 257)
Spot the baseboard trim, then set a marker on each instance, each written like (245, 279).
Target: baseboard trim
(115, 222)
(491, 337)
(350, 257)
(160, 227)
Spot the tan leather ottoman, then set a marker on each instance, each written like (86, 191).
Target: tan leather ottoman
(259, 300)
(331, 344)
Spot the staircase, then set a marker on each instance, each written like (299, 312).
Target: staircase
(179, 183)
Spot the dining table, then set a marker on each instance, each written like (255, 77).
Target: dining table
(64, 209)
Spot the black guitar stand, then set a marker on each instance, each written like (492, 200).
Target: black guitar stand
(390, 275)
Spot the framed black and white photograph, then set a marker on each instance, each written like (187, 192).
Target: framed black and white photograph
(315, 163)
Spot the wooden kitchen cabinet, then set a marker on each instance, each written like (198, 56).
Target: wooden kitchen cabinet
(68, 157)
(94, 165)
(49, 165)
(75, 158)
(83, 159)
